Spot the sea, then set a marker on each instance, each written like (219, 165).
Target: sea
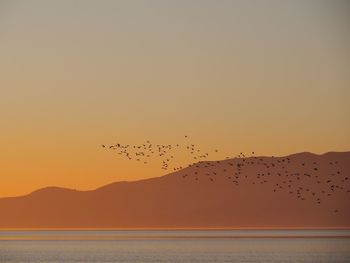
(131, 246)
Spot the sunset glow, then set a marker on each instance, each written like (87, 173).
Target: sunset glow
(270, 78)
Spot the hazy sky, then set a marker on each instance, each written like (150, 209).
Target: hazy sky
(266, 76)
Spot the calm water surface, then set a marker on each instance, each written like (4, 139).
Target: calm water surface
(315, 246)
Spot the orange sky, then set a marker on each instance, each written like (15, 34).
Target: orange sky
(271, 77)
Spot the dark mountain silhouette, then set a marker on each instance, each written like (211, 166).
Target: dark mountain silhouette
(300, 190)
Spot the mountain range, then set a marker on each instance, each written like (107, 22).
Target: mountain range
(302, 190)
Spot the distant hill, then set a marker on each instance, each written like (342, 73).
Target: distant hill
(300, 190)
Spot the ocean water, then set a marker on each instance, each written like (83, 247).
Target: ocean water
(316, 246)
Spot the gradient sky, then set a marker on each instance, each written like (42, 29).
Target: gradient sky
(266, 76)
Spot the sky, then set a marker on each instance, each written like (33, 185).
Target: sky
(265, 76)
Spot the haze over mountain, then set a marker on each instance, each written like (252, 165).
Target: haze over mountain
(300, 190)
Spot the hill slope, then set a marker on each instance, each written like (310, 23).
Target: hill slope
(300, 190)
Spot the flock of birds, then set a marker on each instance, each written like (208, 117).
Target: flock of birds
(277, 171)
